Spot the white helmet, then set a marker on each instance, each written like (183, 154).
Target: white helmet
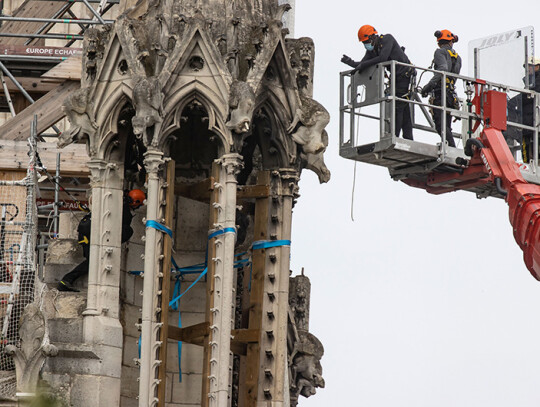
(534, 61)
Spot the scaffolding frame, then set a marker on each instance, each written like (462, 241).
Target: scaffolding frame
(43, 33)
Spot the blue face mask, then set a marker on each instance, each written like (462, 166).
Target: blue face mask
(368, 45)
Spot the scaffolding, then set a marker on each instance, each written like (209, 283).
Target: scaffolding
(36, 38)
(18, 230)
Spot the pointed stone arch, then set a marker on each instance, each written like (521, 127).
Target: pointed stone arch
(174, 107)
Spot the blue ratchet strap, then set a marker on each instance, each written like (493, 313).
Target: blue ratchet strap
(158, 226)
(266, 244)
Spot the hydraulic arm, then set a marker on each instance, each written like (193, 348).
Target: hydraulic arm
(491, 162)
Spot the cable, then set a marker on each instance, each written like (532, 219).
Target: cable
(355, 140)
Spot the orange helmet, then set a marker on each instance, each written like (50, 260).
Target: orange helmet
(365, 32)
(445, 35)
(136, 198)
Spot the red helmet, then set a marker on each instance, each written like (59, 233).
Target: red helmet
(445, 35)
(365, 32)
(136, 198)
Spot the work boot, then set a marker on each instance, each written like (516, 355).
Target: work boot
(66, 286)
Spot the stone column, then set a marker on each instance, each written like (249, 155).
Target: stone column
(153, 160)
(101, 325)
(224, 299)
(288, 191)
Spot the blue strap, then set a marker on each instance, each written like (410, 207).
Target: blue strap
(221, 232)
(178, 295)
(158, 226)
(266, 244)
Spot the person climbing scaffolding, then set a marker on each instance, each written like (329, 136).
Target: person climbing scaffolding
(132, 200)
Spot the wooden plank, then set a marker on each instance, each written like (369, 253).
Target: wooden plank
(216, 168)
(245, 335)
(30, 8)
(71, 68)
(251, 387)
(166, 285)
(191, 334)
(35, 86)
(73, 158)
(252, 191)
(48, 109)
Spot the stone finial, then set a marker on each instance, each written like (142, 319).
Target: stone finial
(33, 350)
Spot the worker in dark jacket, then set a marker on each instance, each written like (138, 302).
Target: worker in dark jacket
(383, 48)
(447, 60)
(528, 108)
(132, 200)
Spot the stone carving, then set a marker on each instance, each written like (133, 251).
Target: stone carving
(241, 107)
(308, 125)
(301, 55)
(306, 369)
(148, 101)
(78, 107)
(93, 50)
(305, 350)
(299, 289)
(34, 348)
(307, 130)
(315, 162)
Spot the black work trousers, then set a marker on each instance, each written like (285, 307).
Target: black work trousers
(403, 113)
(81, 269)
(437, 116)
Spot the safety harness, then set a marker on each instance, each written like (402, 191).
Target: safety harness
(450, 81)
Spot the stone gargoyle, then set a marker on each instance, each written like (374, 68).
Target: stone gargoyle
(148, 102)
(315, 162)
(241, 107)
(78, 108)
(306, 369)
(307, 130)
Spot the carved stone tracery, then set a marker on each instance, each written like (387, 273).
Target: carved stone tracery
(233, 77)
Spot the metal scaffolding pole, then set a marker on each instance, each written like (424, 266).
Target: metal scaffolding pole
(31, 58)
(107, 8)
(53, 20)
(24, 92)
(50, 36)
(89, 1)
(94, 12)
(75, 18)
(8, 96)
(59, 13)
(56, 193)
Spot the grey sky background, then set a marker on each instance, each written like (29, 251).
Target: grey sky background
(423, 300)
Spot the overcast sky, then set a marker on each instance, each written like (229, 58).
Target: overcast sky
(423, 300)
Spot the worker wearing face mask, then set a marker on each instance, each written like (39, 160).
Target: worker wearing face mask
(383, 48)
